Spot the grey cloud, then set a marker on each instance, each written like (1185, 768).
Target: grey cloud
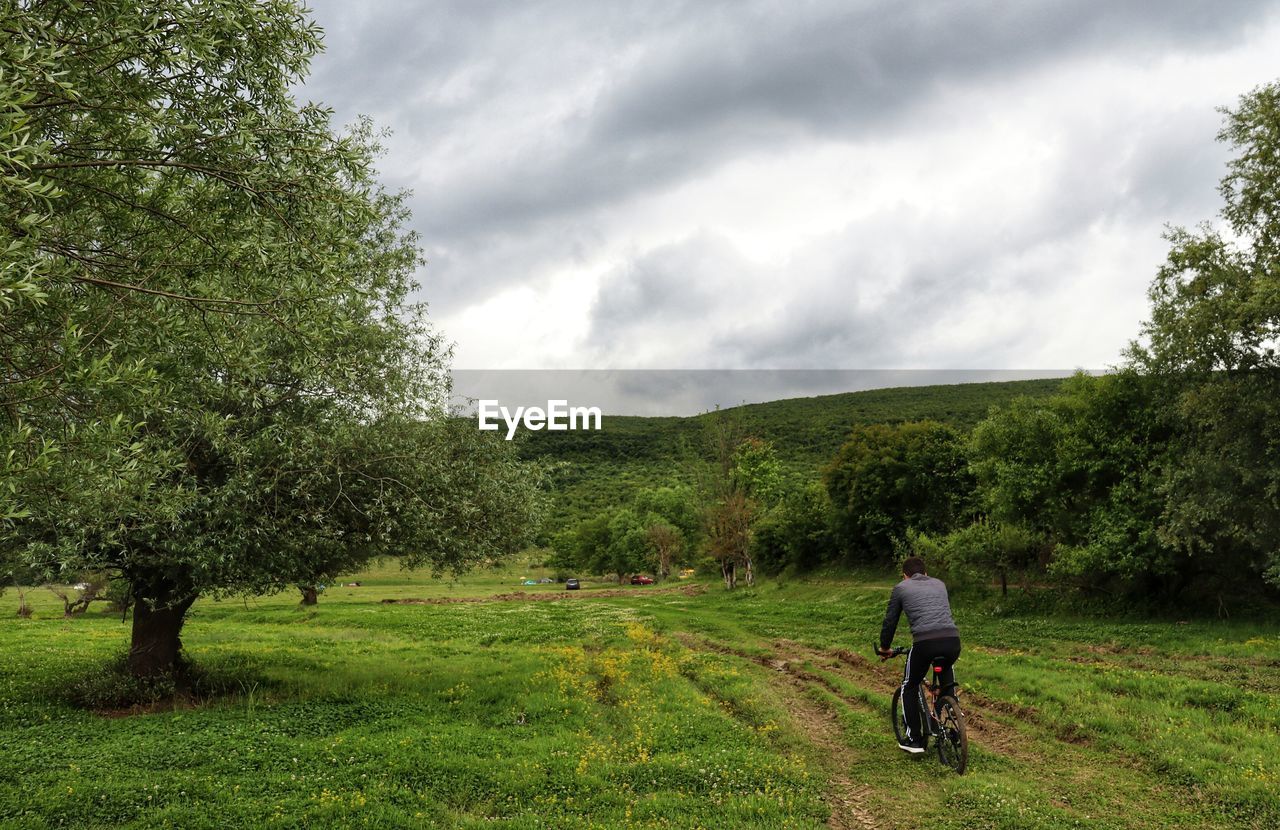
(671, 284)
(838, 67)
(866, 295)
(710, 79)
(726, 79)
(519, 173)
(1174, 168)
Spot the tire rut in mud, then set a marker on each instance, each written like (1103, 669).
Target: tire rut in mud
(845, 797)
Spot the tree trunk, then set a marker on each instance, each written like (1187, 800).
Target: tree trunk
(158, 615)
(24, 610)
(1004, 584)
(309, 594)
(751, 572)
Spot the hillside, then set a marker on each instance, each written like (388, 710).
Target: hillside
(598, 469)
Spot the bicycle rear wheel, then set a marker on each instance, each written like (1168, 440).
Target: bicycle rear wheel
(953, 738)
(898, 716)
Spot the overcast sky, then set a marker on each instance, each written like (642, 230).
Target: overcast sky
(795, 185)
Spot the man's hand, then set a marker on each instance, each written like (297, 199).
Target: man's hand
(885, 653)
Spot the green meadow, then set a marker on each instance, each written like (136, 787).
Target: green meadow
(679, 706)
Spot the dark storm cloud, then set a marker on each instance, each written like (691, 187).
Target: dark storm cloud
(708, 80)
(844, 67)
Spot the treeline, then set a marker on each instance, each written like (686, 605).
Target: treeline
(1159, 480)
(1130, 484)
(595, 471)
(737, 481)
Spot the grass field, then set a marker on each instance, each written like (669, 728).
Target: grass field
(653, 708)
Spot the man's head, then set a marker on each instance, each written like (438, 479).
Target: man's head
(912, 565)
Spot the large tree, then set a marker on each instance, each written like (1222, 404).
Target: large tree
(671, 523)
(888, 479)
(215, 375)
(1213, 338)
(795, 531)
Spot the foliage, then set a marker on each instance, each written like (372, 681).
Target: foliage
(742, 481)
(979, 552)
(601, 469)
(671, 524)
(887, 480)
(653, 534)
(757, 472)
(1080, 470)
(221, 381)
(1212, 338)
(796, 531)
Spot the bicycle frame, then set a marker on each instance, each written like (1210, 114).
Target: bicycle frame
(945, 728)
(929, 707)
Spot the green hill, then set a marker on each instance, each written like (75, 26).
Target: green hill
(600, 469)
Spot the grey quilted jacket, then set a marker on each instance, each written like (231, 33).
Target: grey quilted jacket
(928, 610)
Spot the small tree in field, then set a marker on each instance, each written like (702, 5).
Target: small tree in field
(20, 578)
(728, 525)
(743, 478)
(671, 523)
(77, 598)
(667, 544)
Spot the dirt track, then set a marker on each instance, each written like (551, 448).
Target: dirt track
(802, 667)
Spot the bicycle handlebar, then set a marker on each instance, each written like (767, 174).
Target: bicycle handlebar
(894, 652)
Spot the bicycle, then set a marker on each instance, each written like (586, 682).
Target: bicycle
(944, 722)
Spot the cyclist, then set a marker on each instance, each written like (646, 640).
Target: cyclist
(934, 636)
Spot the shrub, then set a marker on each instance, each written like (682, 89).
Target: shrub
(982, 551)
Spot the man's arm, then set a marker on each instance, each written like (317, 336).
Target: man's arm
(890, 623)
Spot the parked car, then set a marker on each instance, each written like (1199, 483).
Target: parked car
(571, 585)
(641, 579)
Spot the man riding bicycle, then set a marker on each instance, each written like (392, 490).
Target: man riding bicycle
(934, 638)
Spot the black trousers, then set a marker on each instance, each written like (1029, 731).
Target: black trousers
(919, 663)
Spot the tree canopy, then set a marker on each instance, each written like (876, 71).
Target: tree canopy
(887, 479)
(1213, 337)
(217, 376)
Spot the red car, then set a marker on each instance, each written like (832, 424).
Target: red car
(641, 579)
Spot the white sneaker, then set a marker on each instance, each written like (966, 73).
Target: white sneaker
(913, 748)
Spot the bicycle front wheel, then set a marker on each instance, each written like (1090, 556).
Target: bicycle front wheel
(953, 738)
